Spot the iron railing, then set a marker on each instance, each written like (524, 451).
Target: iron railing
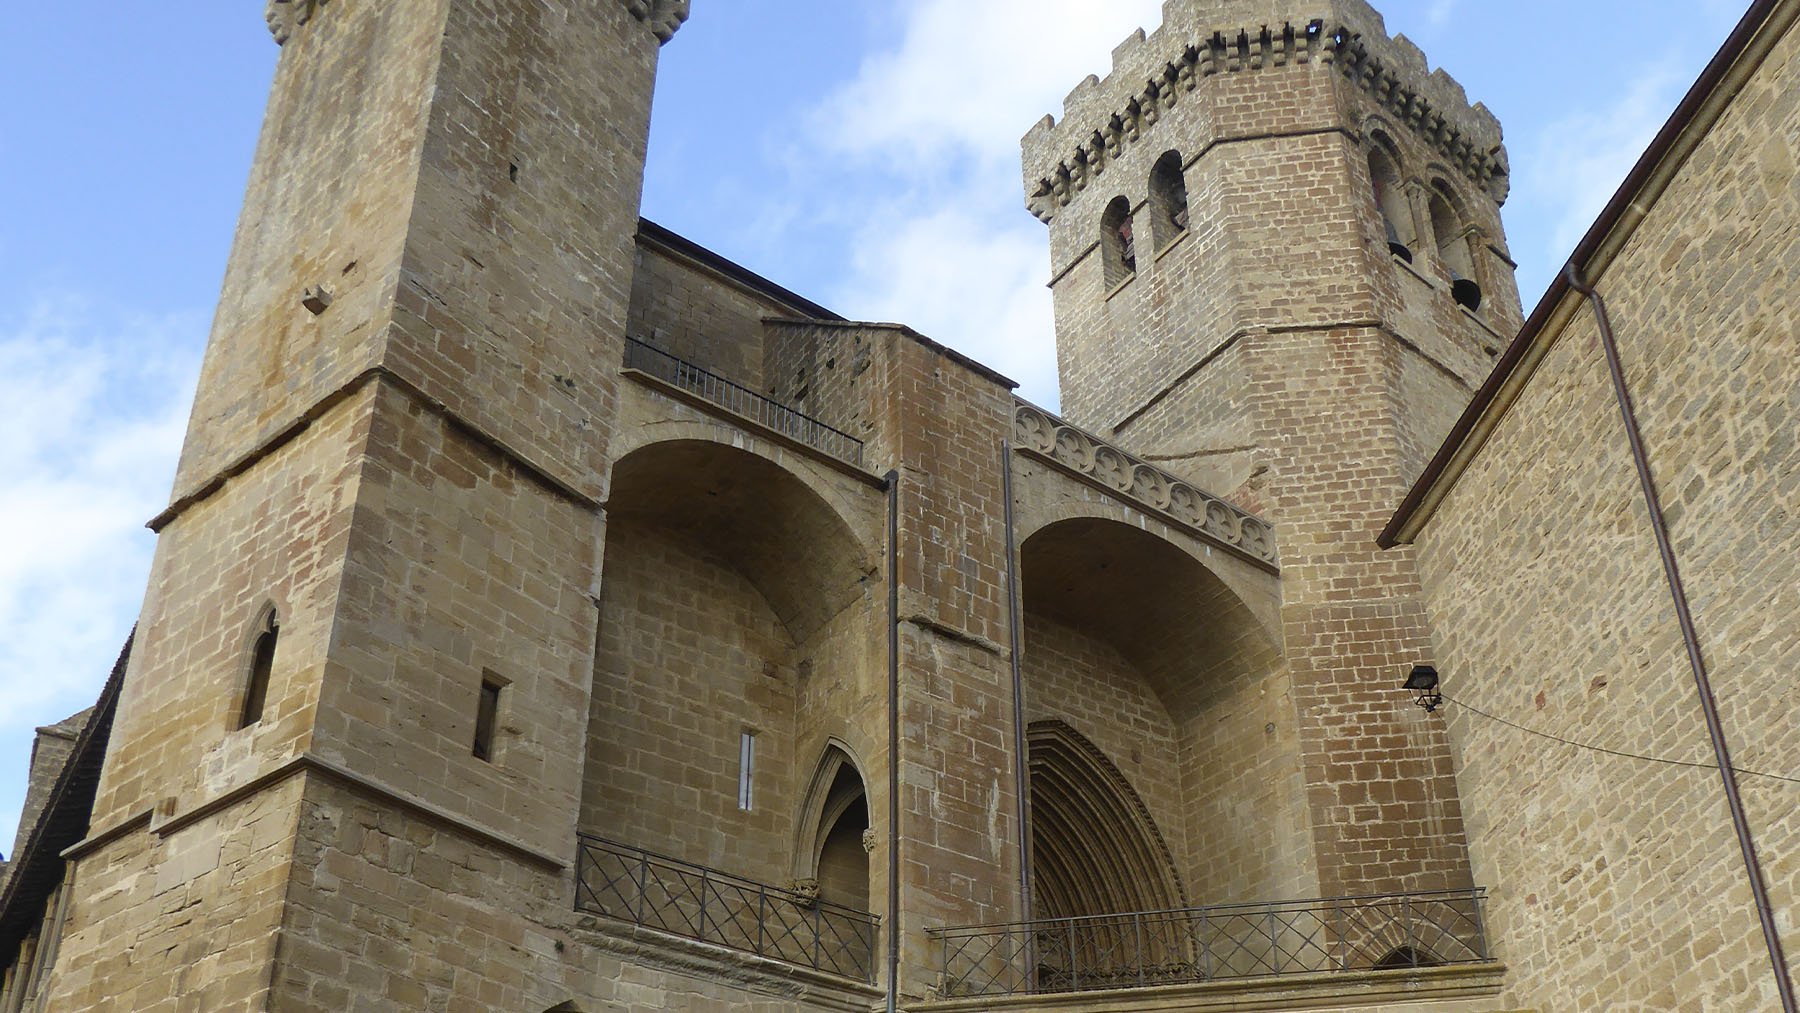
(1214, 943)
(743, 401)
(690, 900)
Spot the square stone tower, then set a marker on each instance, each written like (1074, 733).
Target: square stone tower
(382, 533)
(1279, 272)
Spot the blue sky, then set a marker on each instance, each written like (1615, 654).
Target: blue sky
(863, 154)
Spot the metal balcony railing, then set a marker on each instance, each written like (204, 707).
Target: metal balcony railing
(743, 401)
(689, 900)
(1214, 943)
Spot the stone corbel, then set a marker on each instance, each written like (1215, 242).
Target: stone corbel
(664, 17)
(286, 16)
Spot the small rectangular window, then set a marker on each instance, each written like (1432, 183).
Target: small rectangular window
(487, 715)
(746, 769)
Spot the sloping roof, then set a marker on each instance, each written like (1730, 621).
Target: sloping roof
(1702, 105)
(37, 869)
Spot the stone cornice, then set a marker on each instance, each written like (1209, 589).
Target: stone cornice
(1039, 432)
(1102, 118)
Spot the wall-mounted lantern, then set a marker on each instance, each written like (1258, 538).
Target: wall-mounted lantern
(1423, 682)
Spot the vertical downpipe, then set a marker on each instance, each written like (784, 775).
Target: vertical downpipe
(1709, 705)
(893, 890)
(1015, 624)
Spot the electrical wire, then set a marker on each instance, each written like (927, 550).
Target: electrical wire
(1613, 752)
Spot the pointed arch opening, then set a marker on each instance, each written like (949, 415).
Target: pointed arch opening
(832, 856)
(1118, 245)
(1095, 849)
(1168, 199)
(262, 666)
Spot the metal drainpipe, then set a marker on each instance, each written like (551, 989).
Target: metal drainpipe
(893, 892)
(1015, 623)
(1708, 703)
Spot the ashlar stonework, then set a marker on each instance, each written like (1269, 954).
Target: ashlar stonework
(552, 615)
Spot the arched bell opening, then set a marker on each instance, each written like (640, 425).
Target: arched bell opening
(1152, 659)
(1168, 199)
(1453, 235)
(1118, 243)
(833, 847)
(1387, 183)
(722, 573)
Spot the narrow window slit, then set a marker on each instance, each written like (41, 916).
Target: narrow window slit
(746, 770)
(487, 714)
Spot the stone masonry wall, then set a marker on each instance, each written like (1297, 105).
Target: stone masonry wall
(1617, 882)
(690, 657)
(390, 911)
(329, 192)
(183, 919)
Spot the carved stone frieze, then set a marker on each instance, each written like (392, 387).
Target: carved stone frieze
(1044, 434)
(286, 16)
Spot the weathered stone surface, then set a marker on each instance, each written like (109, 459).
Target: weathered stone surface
(418, 454)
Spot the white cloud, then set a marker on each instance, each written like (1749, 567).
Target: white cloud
(94, 411)
(964, 76)
(1578, 162)
(944, 243)
(959, 281)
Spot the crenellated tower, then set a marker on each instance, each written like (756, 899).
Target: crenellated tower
(1279, 271)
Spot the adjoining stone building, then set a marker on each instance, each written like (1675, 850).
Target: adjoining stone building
(553, 615)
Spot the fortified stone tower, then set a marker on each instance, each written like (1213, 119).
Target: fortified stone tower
(382, 545)
(1279, 271)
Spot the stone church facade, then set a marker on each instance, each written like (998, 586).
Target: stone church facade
(552, 615)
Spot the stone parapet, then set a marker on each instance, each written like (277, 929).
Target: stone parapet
(1152, 73)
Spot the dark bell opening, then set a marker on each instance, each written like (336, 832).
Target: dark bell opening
(1400, 250)
(1466, 293)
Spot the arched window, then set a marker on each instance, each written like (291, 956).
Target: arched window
(1390, 199)
(1168, 199)
(1452, 237)
(262, 662)
(1118, 250)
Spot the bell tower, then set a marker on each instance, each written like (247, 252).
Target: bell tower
(364, 657)
(1279, 271)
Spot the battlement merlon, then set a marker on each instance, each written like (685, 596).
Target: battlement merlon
(664, 17)
(1201, 38)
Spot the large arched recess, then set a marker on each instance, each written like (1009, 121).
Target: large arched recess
(759, 516)
(725, 575)
(1136, 644)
